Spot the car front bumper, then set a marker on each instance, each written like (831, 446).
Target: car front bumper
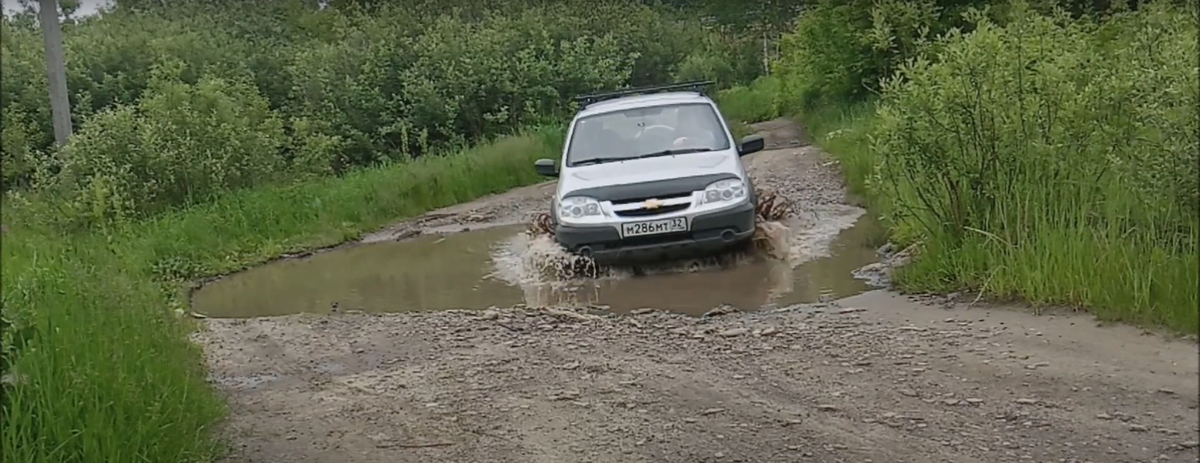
(708, 233)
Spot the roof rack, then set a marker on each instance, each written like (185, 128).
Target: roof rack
(592, 98)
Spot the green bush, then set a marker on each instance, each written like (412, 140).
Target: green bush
(840, 50)
(1026, 150)
(17, 143)
(181, 143)
(24, 109)
(727, 59)
(1046, 160)
(359, 85)
(757, 102)
(827, 56)
(390, 96)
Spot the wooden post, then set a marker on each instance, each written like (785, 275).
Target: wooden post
(56, 70)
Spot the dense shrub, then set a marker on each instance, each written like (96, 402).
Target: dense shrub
(24, 110)
(1043, 105)
(181, 143)
(1047, 156)
(840, 50)
(361, 83)
(386, 95)
(759, 101)
(17, 142)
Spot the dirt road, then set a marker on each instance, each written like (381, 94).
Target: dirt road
(872, 378)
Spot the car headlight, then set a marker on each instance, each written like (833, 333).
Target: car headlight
(724, 191)
(578, 207)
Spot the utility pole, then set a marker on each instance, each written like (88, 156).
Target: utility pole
(56, 70)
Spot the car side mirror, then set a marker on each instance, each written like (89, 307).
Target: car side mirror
(751, 144)
(545, 167)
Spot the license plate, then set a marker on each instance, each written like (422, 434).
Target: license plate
(656, 227)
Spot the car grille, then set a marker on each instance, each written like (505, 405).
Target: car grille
(652, 212)
(661, 198)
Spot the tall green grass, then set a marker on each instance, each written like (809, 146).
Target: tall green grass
(1046, 159)
(1107, 270)
(100, 367)
(757, 101)
(97, 370)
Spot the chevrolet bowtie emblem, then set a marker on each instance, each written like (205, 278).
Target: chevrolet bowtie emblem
(652, 204)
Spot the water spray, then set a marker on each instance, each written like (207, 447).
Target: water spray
(770, 209)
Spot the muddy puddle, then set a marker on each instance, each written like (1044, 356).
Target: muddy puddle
(495, 268)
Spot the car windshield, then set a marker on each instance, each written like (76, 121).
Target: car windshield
(649, 131)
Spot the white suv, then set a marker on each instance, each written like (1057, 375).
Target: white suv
(651, 173)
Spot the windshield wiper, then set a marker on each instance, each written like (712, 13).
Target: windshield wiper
(672, 152)
(590, 161)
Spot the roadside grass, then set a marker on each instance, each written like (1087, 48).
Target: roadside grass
(1052, 184)
(757, 101)
(1144, 277)
(100, 370)
(99, 366)
(260, 224)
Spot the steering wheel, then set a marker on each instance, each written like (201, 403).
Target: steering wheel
(670, 130)
(702, 139)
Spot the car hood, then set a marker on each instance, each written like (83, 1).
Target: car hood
(649, 170)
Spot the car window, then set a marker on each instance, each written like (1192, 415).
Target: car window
(639, 131)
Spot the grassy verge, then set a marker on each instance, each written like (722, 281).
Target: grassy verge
(1050, 182)
(99, 370)
(103, 371)
(1114, 274)
(755, 102)
(1107, 269)
(743, 105)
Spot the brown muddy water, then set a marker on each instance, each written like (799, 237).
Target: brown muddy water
(490, 268)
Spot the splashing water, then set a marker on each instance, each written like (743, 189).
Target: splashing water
(773, 239)
(781, 236)
(536, 259)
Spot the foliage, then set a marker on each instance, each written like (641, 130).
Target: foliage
(827, 55)
(353, 85)
(1032, 153)
(757, 102)
(725, 59)
(841, 50)
(95, 370)
(181, 143)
